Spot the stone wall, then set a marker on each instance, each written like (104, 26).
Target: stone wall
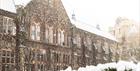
(67, 45)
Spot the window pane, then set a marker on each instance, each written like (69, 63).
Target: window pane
(4, 24)
(12, 54)
(8, 53)
(62, 37)
(59, 37)
(3, 60)
(8, 60)
(38, 32)
(46, 34)
(51, 34)
(12, 60)
(4, 53)
(13, 30)
(33, 32)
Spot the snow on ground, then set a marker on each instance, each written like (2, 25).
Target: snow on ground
(121, 66)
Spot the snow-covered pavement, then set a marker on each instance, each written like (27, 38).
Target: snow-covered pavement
(120, 66)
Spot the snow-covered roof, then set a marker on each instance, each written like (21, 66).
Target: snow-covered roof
(93, 30)
(86, 27)
(7, 5)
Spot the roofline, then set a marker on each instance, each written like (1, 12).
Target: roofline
(7, 13)
(114, 40)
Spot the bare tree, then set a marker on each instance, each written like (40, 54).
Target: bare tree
(20, 35)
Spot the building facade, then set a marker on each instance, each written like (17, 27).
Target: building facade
(127, 32)
(49, 41)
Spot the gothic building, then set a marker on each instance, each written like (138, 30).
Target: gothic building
(52, 41)
(129, 47)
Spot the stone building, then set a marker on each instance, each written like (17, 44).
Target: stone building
(127, 32)
(52, 40)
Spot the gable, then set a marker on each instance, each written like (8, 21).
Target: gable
(48, 10)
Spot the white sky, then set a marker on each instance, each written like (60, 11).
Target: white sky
(92, 12)
(104, 12)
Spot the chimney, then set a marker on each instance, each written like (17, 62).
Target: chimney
(98, 27)
(73, 16)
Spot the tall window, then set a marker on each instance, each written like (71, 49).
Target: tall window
(99, 46)
(106, 48)
(14, 30)
(78, 41)
(50, 34)
(5, 24)
(35, 31)
(61, 37)
(38, 32)
(89, 43)
(8, 26)
(7, 60)
(47, 34)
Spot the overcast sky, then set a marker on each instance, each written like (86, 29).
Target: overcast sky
(92, 12)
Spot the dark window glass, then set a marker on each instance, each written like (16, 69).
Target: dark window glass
(12, 60)
(4, 53)
(8, 60)
(8, 53)
(3, 67)
(12, 54)
(3, 60)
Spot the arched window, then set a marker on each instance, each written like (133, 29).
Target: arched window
(35, 31)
